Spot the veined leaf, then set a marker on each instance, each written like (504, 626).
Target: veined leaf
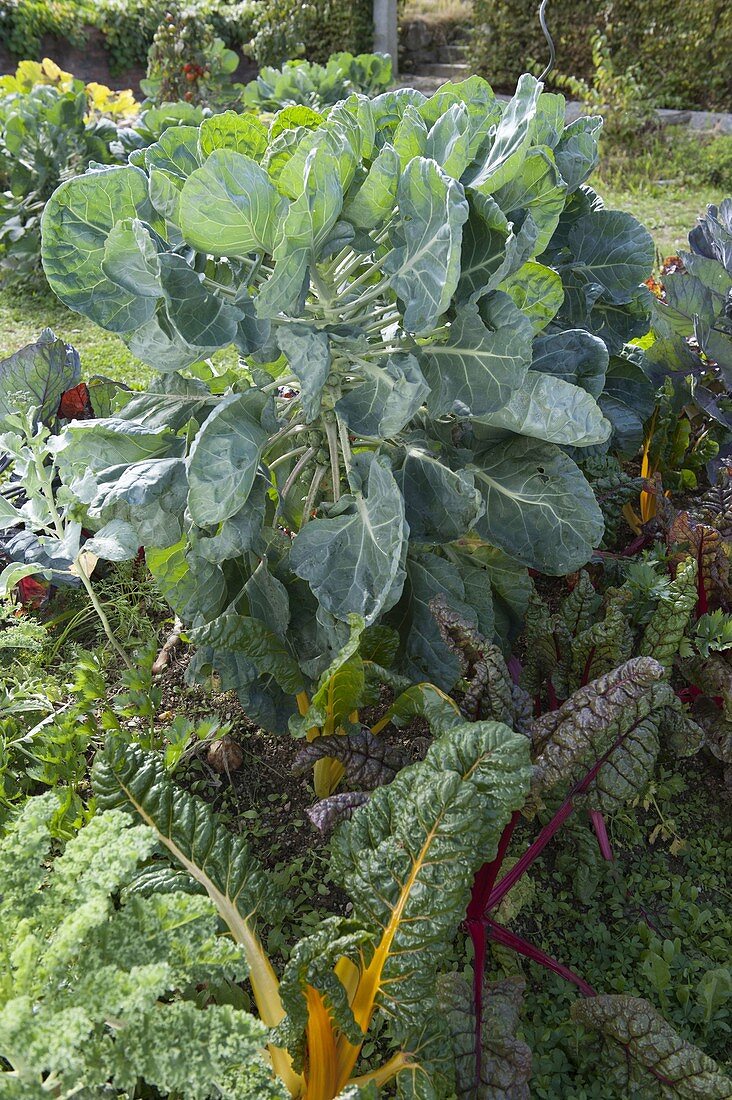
(245, 134)
(440, 504)
(352, 561)
(76, 221)
(551, 409)
(427, 821)
(223, 461)
(426, 268)
(537, 291)
(476, 369)
(393, 390)
(229, 207)
(505, 1066)
(612, 249)
(538, 507)
(574, 355)
(681, 1069)
(508, 150)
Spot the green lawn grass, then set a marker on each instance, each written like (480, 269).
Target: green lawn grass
(668, 212)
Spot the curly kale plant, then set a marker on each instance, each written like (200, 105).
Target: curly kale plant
(318, 86)
(98, 978)
(424, 293)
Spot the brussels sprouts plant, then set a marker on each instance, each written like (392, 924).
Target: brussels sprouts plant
(424, 294)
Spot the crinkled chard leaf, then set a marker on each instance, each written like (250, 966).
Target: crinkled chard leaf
(505, 1061)
(681, 1069)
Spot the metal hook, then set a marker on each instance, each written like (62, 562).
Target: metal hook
(550, 41)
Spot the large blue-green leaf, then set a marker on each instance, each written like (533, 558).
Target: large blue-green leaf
(131, 259)
(550, 408)
(426, 267)
(491, 251)
(194, 588)
(611, 248)
(240, 532)
(537, 291)
(448, 142)
(577, 152)
(352, 560)
(574, 355)
(37, 375)
(426, 655)
(150, 496)
(229, 207)
(76, 221)
(512, 139)
(223, 460)
(410, 137)
(537, 189)
(511, 589)
(176, 151)
(375, 198)
(476, 94)
(440, 504)
(391, 393)
(307, 350)
(95, 445)
(538, 507)
(257, 642)
(476, 369)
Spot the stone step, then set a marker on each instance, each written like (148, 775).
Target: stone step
(445, 71)
(453, 54)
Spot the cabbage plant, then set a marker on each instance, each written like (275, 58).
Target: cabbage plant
(424, 293)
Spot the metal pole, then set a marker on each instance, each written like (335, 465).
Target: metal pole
(386, 35)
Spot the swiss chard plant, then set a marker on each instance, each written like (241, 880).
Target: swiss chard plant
(424, 293)
(405, 860)
(596, 752)
(318, 86)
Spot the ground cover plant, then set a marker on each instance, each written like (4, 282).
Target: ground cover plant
(394, 404)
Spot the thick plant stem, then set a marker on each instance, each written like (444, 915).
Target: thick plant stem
(331, 433)
(477, 930)
(486, 877)
(312, 494)
(296, 471)
(603, 840)
(504, 936)
(534, 850)
(94, 599)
